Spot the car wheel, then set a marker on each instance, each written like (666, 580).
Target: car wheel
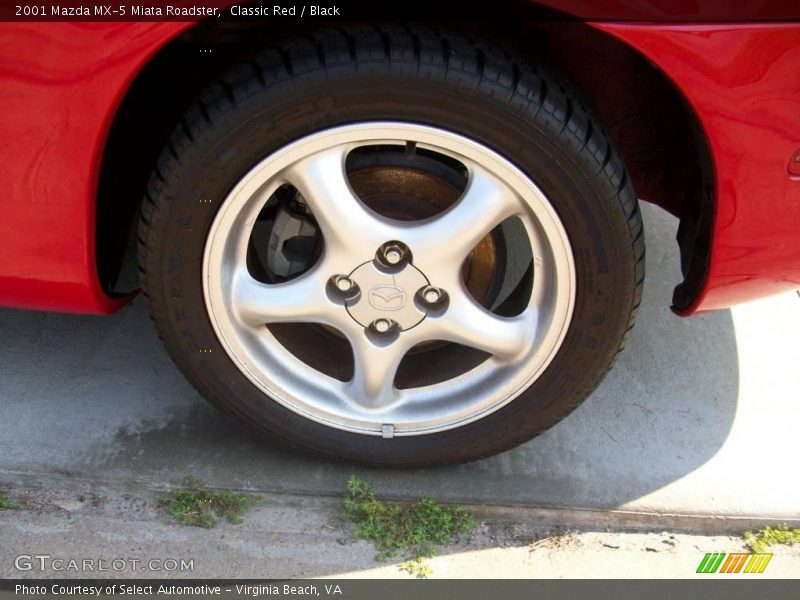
(392, 246)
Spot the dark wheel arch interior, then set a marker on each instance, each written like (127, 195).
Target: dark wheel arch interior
(650, 122)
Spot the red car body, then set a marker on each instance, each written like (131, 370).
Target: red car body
(61, 85)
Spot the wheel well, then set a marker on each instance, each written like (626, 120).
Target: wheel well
(657, 134)
(653, 127)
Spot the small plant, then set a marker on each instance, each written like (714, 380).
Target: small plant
(195, 504)
(416, 566)
(555, 540)
(5, 503)
(412, 529)
(771, 536)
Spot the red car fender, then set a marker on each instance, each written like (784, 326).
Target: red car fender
(66, 80)
(60, 87)
(743, 82)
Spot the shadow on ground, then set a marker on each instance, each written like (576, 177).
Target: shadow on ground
(98, 398)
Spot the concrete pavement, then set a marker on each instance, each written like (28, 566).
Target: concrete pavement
(698, 417)
(301, 536)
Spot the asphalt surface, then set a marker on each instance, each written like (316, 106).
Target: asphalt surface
(698, 417)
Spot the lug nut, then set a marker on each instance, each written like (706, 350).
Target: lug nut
(393, 255)
(431, 295)
(344, 284)
(382, 325)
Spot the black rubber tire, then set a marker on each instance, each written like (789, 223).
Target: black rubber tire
(334, 77)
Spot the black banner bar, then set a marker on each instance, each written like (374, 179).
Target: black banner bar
(710, 589)
(400, 10)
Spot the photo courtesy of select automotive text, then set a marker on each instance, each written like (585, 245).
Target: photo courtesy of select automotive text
(378, 299)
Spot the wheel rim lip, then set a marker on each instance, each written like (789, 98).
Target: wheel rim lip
(495, 382)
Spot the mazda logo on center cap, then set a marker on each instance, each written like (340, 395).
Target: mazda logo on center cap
(387, 297)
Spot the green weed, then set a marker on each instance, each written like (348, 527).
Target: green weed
(5, 503)
(771, 536)
(412, 529)
(195, 504)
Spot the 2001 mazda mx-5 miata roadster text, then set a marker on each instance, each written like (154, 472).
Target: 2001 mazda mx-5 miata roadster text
(398, 243)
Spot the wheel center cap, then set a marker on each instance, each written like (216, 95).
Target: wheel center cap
(386, 295)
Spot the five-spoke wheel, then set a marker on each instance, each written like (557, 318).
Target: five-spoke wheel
(388, 286)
